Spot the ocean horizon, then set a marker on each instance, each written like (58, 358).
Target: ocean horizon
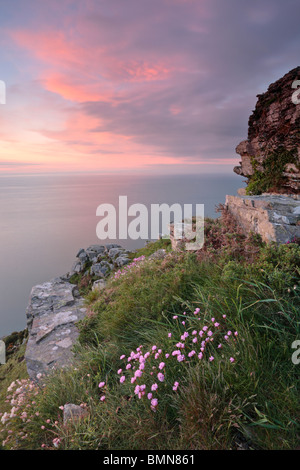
(46, 219)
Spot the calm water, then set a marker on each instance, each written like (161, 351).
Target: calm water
(44, 220)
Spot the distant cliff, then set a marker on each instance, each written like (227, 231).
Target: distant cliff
(271, 154)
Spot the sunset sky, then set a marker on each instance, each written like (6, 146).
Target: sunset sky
(137, 85)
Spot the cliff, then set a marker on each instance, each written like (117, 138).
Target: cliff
(270, 156)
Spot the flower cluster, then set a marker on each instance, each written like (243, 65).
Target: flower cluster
(129, 267)
(23, 413)
(149, 371)
(20, 396)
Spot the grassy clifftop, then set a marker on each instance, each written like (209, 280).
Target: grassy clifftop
(188, 351)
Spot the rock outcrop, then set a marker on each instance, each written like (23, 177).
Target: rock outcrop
(276, 218)
(274, 128)
(99, 260)
(55, 307)
(53, 311)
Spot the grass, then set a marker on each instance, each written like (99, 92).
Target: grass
(251, 402)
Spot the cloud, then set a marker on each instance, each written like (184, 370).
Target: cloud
(173, 80)
(18, 164)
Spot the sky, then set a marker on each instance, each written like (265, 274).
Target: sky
(162, 86)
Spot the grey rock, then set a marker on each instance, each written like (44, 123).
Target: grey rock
(101, 269)
(54, 309)
(111, 245)
(94, 251)
(115, 252)
(99, 285)
(96, 248)
(77, 267)
(83, 256)
(73, 412)
(80, 252)
(274, 217)
(159, 254)
(122, 260)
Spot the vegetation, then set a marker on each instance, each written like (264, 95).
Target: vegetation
(271, 178)
(239, 390)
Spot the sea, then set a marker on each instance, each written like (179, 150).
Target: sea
(46, 219)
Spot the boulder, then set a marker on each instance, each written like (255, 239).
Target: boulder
(111, 245)
(159, 254)
(101, 269)
(73, 413)
(122, 261)
(99, 285)
(94, 251)
(77, 267)
(115, 252)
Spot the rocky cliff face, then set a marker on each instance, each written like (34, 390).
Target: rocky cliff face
(272, 150)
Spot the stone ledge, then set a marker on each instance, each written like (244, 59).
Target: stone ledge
(275, 217)
(53, 310)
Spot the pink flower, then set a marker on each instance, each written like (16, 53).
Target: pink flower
(119, 371)
(169, 335)
(167, 355)
(195, 340)
(122, 357)
(160, 377)
(180, 358)
(122, 379)
(154, 402)
(149, 396)
(161, 365)
(154, 387)
(101, 384)
(217, 324)
(224, 316)
(102, 398)
(175, 317)
(56, 442)
(175, 386)
(211, 358)
(232, 359)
